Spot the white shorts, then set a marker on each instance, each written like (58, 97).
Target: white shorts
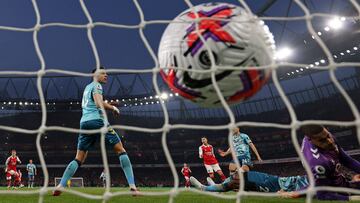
(212, 168)
(186, 178)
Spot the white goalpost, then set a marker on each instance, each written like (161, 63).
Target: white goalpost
(167, 126)
(73, 182)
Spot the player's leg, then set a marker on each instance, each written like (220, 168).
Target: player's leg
(210, 188)
(8, 179)
(73, 166)
(187, 181)
(210, 181)
(209, 170)
(32, 181)
(112, 138)
(218, 170)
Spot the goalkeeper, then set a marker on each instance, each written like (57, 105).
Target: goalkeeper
(257, 181)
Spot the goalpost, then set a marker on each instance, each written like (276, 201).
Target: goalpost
(73, 182)
(293, 126)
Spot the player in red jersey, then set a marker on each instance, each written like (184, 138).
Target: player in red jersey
(186, 172)
(206, 152)
(10, 168)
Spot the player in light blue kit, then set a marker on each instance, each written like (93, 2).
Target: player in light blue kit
(257, 181)
(241, 143)
(93, 118)
(31, 169)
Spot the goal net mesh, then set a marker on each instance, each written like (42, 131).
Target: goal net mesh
(293, 126)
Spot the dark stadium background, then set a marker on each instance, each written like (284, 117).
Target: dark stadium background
(311, 92)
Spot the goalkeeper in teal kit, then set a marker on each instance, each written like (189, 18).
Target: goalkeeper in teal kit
(93, 118)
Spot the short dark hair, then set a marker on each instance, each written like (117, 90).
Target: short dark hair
(310, 130)
(100, 68)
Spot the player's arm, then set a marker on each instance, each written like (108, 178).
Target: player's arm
(182, 171)
(224, 153)
(200, 153)
(18, 160)
(253, 148)
(349, 162)
(35, 172)
(100, 103)
(190, 170)
(6, 164)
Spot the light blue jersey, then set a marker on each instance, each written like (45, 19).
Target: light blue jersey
(89, 109)
(293, 183)
(241, 143)
(31, 169)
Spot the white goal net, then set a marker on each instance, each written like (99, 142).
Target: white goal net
(331, 65)
(73, 182)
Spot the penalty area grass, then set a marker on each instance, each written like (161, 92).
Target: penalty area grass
(183, 197)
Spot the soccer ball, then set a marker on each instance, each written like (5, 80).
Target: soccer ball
(240, 40)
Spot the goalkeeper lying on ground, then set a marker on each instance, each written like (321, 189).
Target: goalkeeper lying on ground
(263, 182)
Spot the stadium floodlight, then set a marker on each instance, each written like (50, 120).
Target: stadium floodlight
(311, 65)
(150, 97)
(317, 63)
(106, 101)
(348, 51)
(301, 69)
(147, 103)
(4, 102)
(342, 54)
(327, 29)
(297, 70)
(292, 73)
(157, 102)
(124, 104)
(111, 100)
(164, 96)
(312, 36)
(283, 53)
(157, 96)
(176, 94)
(152, 102)
(319, 33)
(14, 103)
(322, 61)
(336, 23)
(335, 56)
(123, 100)
(355, 48)
(26, 103)
(135, 104)
(145, 98)
(31, 103)
(117, 100)
(37, 103)
(288, 73)
(135, 99)
(307, 67)
(141, 103)
(171, 95)
(70, 102)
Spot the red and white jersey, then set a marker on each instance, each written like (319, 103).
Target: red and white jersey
(11, 162)
(186, 171)
(206, 152)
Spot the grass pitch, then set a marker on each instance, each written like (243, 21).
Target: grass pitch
(183, 197)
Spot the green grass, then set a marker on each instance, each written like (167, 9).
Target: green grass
(183, 197)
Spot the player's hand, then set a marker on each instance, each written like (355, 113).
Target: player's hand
(116, 111)
(221, 152)
(284, 194)
(356, 178)
(260, 160)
